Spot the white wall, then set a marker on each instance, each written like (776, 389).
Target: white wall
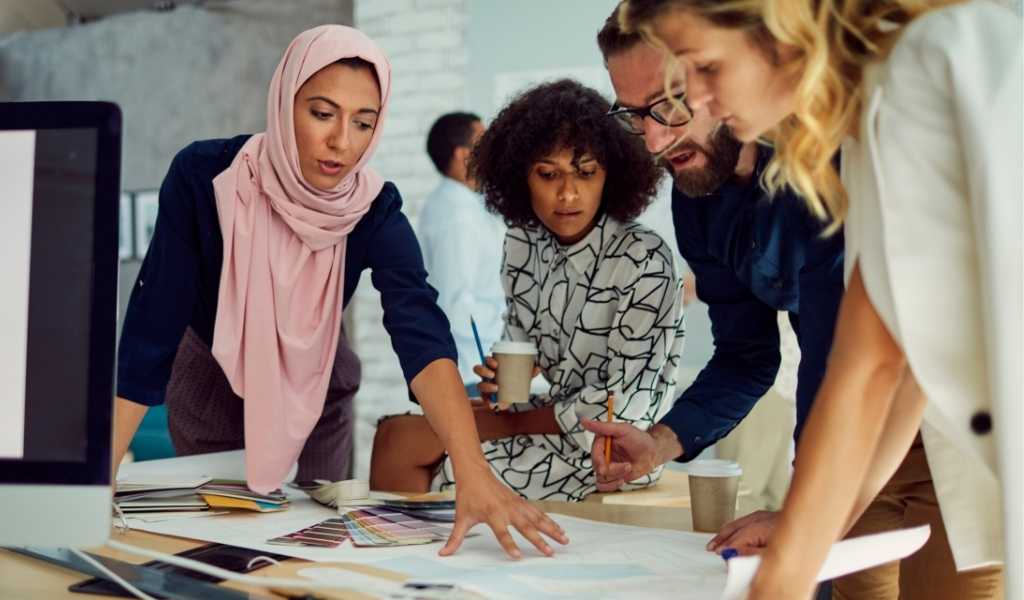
(511, 39)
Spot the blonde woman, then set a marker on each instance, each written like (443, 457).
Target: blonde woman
(924, 99)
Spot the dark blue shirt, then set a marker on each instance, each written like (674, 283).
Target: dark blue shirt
(754, 255)
(180, 276)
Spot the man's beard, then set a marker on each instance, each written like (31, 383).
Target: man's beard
(720, 155)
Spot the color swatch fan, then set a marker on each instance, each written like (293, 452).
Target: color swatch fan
(380, 526)
(367, 527)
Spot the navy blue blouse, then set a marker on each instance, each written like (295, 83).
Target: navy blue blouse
(754, 255)
(180, 276)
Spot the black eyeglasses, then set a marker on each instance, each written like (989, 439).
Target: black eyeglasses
(670, 111)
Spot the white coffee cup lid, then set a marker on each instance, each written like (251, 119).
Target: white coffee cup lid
(510, 347)
(715, 467)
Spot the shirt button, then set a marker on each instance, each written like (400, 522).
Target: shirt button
(697, 439)
(981, 422)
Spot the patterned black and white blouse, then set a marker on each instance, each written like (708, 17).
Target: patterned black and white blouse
(606, 315)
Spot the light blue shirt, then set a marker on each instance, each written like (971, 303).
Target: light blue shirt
(462, 246)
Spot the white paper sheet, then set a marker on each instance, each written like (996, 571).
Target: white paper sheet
(602, 561)
(382, 588)
(615, 560)
(847, 556)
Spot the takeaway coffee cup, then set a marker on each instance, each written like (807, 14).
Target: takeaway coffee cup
(515, 370)
(713, 487)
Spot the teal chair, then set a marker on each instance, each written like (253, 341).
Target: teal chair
(153, 440)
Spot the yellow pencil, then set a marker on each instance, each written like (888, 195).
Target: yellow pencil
(608, 439)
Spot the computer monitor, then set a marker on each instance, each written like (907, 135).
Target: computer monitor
(59, 190)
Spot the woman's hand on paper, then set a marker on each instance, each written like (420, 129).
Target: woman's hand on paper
(747, 535)
(481, 498)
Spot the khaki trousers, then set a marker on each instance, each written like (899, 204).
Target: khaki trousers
(908, 500)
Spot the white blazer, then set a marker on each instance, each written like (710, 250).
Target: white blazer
(935, 187)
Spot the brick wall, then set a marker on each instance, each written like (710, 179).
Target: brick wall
(425, 40)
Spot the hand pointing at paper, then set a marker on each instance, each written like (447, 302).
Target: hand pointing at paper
(483, 499)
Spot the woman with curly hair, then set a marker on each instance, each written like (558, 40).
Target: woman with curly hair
(924, 98)
(596, 293)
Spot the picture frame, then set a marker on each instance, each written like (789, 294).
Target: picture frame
(146, 205)
(126, 227)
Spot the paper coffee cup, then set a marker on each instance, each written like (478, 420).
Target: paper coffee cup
(515, 370)
(713, 488)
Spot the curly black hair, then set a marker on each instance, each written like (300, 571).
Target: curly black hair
(547, 118)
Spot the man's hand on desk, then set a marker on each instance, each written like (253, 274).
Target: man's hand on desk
(748, 535)
(481, 498)
(634, 452)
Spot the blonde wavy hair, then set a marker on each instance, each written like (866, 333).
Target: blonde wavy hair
(835, 40)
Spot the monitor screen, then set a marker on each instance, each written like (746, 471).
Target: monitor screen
(44, 362)
(58, 265)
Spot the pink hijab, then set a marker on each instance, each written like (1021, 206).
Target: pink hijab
(281, 285)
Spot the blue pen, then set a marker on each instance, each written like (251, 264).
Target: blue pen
(480, 349)
(729, 553)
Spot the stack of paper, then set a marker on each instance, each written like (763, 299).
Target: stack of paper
(187, 502)
(140, 487)
(231, 493)
(135, 496)
(203, 493)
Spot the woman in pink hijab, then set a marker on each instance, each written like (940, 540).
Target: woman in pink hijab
(235, 320)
